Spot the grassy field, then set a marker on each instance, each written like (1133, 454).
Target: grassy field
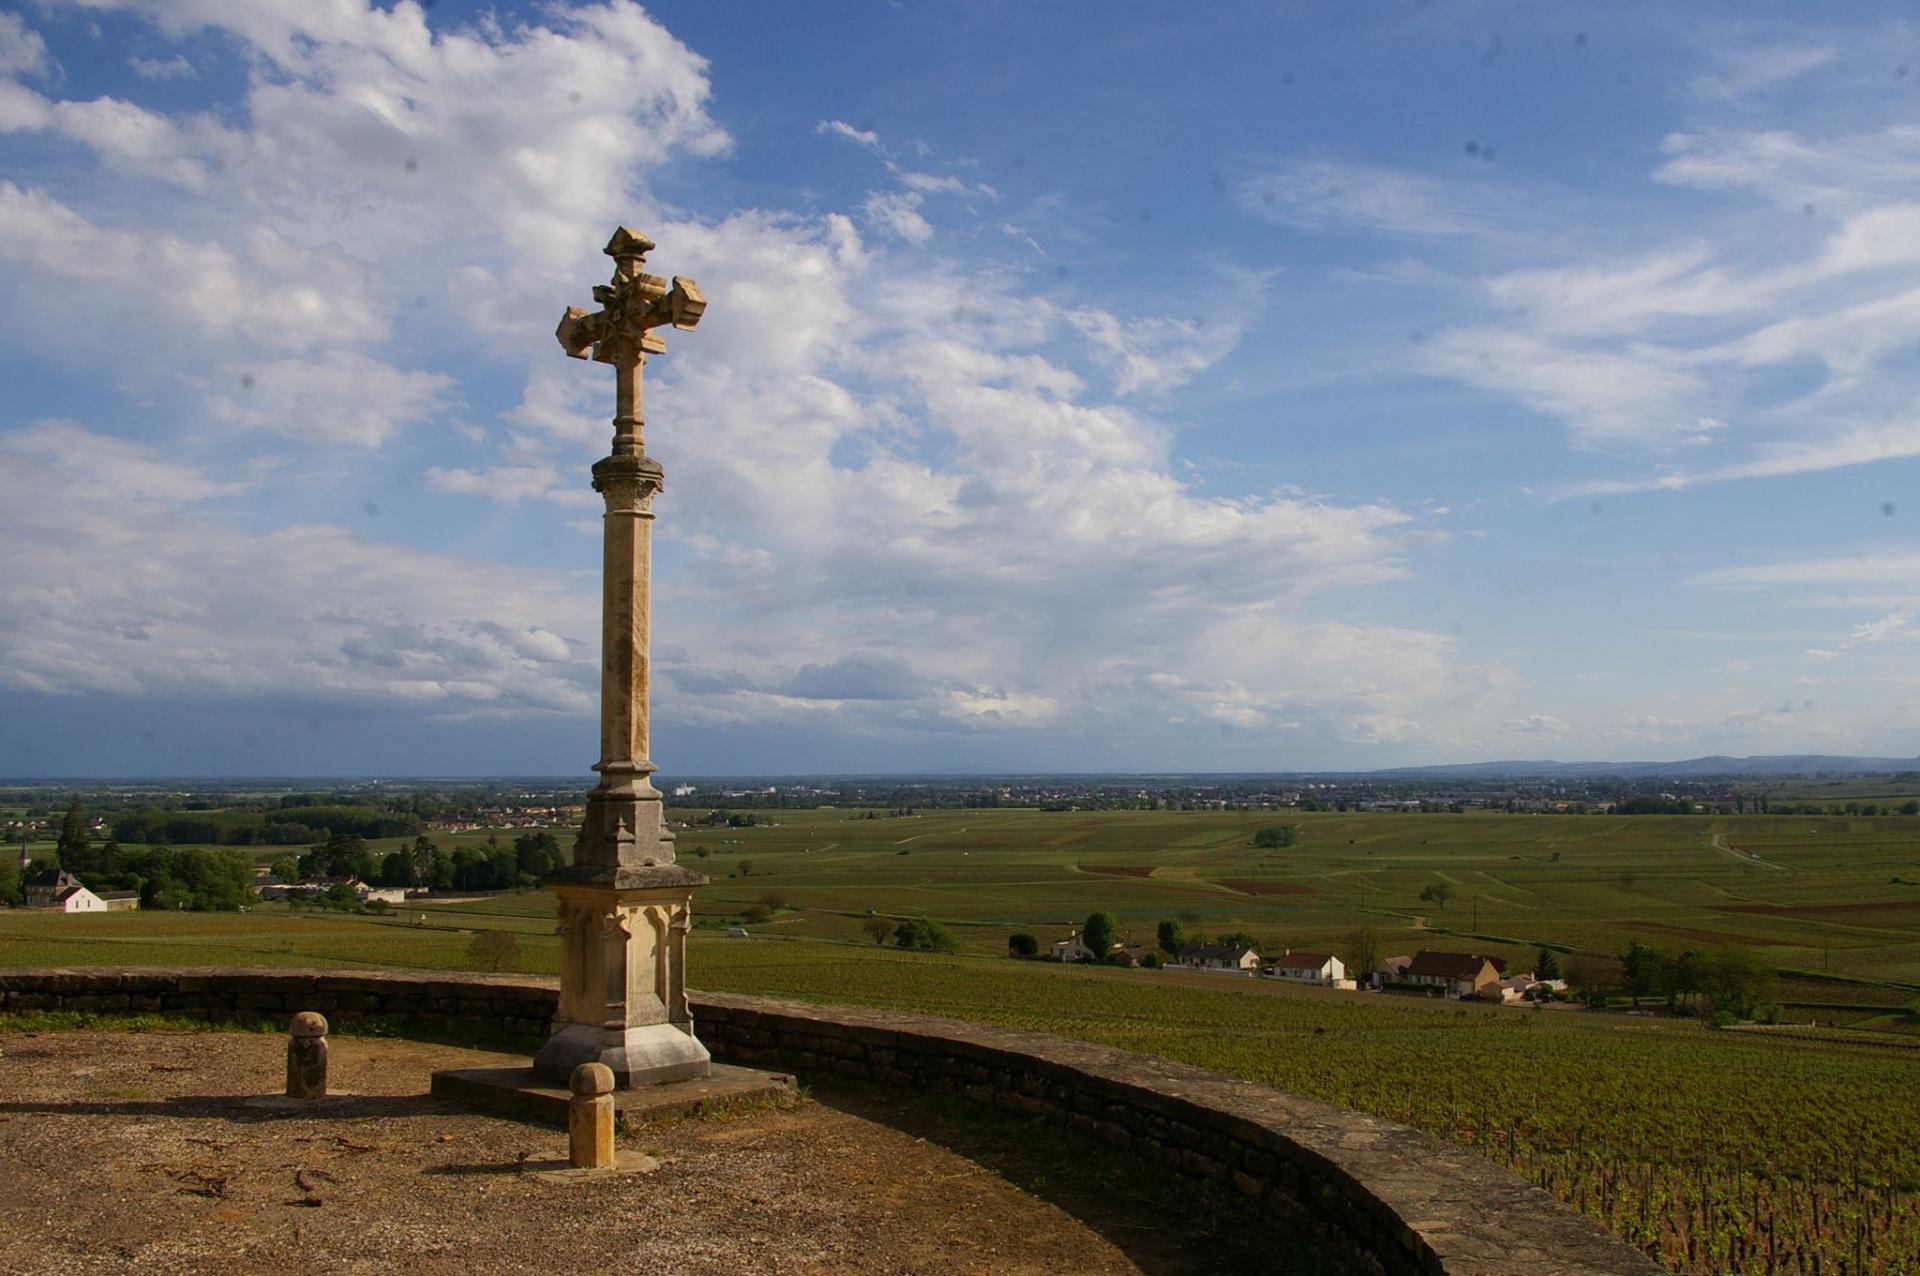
(1719, 1151)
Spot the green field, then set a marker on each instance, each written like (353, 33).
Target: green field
(1712, 1148)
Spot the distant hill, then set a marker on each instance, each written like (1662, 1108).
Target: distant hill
(1718, 764)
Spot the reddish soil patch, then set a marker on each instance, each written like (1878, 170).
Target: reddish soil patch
(1117, 870)
(1247, 886)
(1821, 910)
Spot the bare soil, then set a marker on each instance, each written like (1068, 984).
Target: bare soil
(125, 1152)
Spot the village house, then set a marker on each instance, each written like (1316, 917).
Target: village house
(1072, 948)
(1311, 968)
(1129, 955)
(1454, 974)
(1230, 959)
(59, 891)
(1391, 970)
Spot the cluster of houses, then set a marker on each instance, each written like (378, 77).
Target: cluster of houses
(267, 886)
(1429, 972)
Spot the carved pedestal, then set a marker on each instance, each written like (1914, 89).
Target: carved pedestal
(623, 987)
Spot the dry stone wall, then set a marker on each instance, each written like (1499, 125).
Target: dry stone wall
(1386, 1198)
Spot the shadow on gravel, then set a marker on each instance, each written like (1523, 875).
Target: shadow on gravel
(1166, 1224)
(241, 1109)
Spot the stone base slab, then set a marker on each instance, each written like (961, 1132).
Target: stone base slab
(624, 1162)
(520, 1094)
(653, 1054)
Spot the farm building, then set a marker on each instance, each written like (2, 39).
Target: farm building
(1311, 968)
(1456, 974)
(1232, 959)
(60, 891)
(1072, 948)
(1391, 970)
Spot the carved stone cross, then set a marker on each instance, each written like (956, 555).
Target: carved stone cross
(623, 983)
(621, 331)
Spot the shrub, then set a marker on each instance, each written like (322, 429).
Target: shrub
(493, 951)
(1023, 945)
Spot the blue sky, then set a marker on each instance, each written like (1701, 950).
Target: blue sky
(1118, 387)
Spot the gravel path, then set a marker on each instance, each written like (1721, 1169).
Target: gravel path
(135, 1152)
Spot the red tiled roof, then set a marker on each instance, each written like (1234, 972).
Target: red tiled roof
(1447, 965)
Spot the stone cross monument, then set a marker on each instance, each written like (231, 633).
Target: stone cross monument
(625, 906)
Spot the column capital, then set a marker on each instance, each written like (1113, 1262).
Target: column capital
(628, 482)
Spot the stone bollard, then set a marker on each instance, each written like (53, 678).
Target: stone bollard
(307, 1056)
(590, 1118)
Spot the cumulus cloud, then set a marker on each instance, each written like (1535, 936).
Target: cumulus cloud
(342, 397)
(937, 483)
(154, 594)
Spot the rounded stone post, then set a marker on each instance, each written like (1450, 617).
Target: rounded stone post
(590, 1118)
(307, 1056)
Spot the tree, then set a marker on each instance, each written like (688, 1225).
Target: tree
(394, 869)
(774, 901)
(285, 870)
(1172, 937)
(754, 914)
(535, 855)
(493, 950)
(1734, 982)
(1023, 945)
(1098, 934)
(1679, 977)
(1595, 976)
(924, 934)
(877, 928)
(1276, 838)
(1640, 967)
(1363, 947)
(744, 868)
(1238, 939)
(420, 861)
(1436, 893)
(9, 879)
(71, 849)
(1546, 964)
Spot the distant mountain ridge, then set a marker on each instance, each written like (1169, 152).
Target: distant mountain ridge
(1687, 768)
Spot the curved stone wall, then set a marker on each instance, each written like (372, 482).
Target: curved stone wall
(1388, 1198)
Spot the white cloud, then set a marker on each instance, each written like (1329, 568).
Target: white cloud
(342, 398)
(269, 293)
(22, 50)
(898, 213)
(1897, 568)
(1537, 724)
(1744, 71)
(1638, 392)
(150, 594)
(840, 128)
(173, 68)
(1338, 195)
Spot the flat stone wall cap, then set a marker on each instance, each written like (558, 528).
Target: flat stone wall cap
(591, 1078)
(609, 877)
(308, 1024)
